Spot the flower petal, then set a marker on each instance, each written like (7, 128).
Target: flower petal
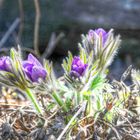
(74, 74)
(33, 60)
(5, 63)
(38, 72)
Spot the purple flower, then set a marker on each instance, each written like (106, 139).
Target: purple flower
(33, 69)
(93, 34)
(78, 67)
(5, 63)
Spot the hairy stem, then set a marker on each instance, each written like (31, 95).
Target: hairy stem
(33, 99)
(59, 101)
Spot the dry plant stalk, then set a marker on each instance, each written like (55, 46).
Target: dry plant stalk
(36, 27)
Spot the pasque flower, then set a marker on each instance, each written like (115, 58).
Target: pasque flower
(5, 63)
(78, 67)
(34, 69)
(93, 34)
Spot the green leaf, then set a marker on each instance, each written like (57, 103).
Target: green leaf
(97, 82)
(50, 106)
(67, 63)
(98, 104)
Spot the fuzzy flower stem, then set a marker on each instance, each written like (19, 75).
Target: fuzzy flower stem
(59, 101)
(77, 98)
(89, 108)
(33, 100)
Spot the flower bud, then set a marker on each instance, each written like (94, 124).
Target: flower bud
(93, 34)
(78, 67)
(5, 63)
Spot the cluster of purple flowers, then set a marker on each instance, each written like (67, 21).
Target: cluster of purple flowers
(32, 67)
(78, 68)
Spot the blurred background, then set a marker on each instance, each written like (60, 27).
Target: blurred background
(49, 28)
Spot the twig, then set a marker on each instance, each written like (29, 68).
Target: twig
(128, 125)
(10, 104)
(1, 2)
(112, 127)
(49, 118)
(52, 44)
(36, 27)
(12, 109)
(73, 118)
(124, 118)
(21, 12)
(9, 32)
(1, 121)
